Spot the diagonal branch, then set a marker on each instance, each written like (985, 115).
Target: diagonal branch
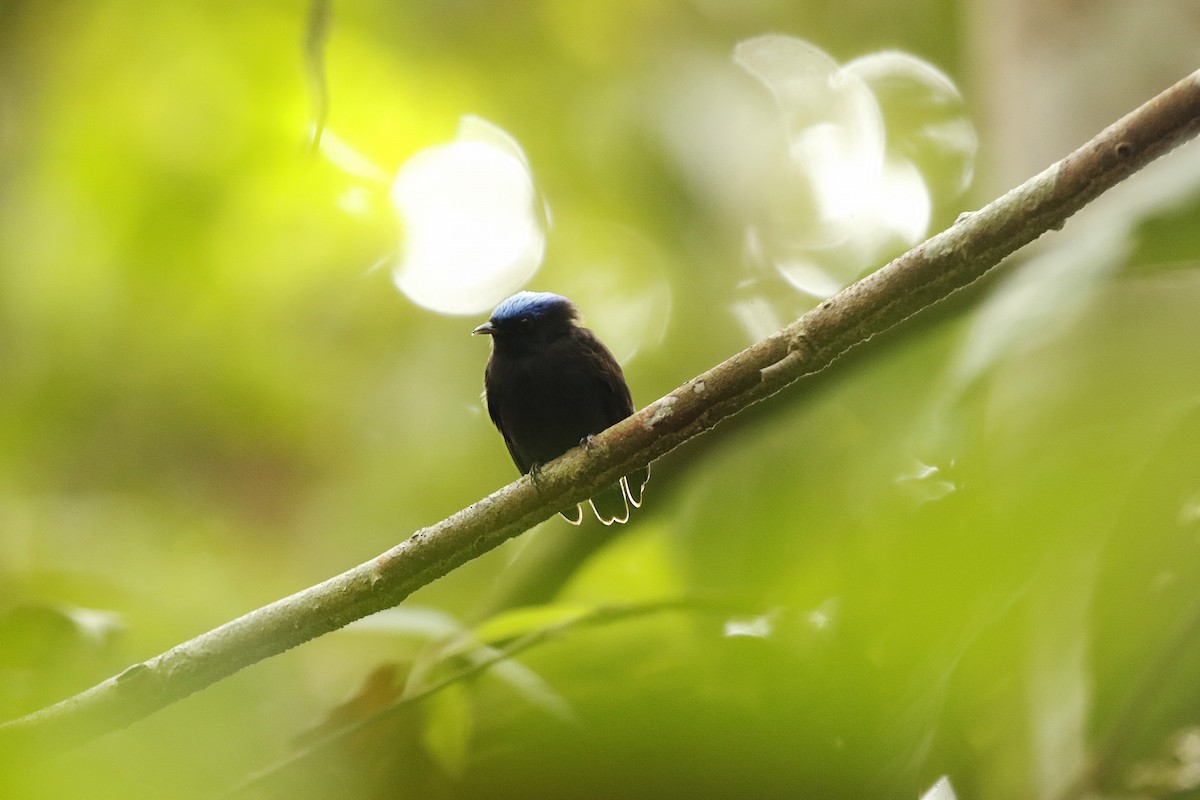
(921, 277)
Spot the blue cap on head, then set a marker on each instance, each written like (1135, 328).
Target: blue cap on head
(532, 304)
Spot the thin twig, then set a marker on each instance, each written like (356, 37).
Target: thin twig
(316, 34)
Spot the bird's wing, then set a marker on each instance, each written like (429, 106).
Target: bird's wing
(523, 464)
(498, 420)
(610, 384)
(612, 505)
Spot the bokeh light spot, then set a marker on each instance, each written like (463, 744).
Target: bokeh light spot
(866, 194)
(473, 229)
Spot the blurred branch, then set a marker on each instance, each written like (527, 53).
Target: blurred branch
(921, 277)
(316, 34)
(478, 659)
(1101, 773)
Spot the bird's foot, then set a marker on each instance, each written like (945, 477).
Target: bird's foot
(588, 442)
(535, 474)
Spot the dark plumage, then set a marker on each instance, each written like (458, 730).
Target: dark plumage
(551, 383)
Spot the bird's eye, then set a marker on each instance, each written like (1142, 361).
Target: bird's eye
(525, 322)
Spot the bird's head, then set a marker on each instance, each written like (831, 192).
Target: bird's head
(530, 317)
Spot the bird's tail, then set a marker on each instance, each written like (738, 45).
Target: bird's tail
(634, 484)
(614, 503)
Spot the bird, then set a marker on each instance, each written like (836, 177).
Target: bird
(551, 384)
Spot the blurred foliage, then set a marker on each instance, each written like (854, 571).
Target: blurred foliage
(968, 550)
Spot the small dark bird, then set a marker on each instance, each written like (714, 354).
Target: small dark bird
(551, 384)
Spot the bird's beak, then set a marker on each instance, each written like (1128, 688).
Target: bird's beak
(486, 328)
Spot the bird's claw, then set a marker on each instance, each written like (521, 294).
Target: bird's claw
(588, 442)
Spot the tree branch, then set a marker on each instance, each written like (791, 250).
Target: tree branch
(916, 280)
